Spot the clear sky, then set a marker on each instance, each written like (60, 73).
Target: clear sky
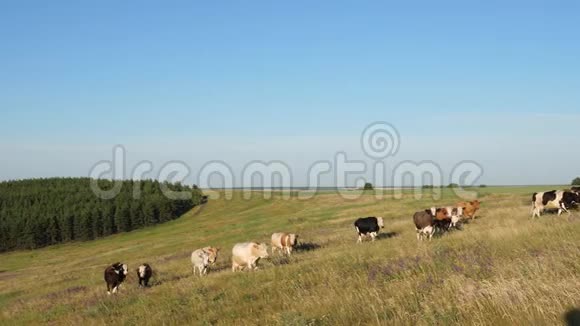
(497, 82)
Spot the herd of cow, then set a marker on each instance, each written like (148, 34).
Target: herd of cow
(244, 255)
(427, 223)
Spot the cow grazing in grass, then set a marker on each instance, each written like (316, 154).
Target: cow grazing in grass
(575, 189)
(144, 273)
(469, 208)
(247, 255)
(284, 242)
(561, 199)
(202, 258)
(114, 276)
(424, 224)
(368, 226)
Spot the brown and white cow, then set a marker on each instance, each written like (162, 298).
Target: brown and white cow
(561, 199)
(424, 224)
(202, 258)
(247, 255)
(446, 217)
(115, 274)
(144, 273)
(284, 242)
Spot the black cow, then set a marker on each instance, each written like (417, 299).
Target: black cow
(144, 273)
(561, 199)
(114, 276)
(424, 223)
(368, 226)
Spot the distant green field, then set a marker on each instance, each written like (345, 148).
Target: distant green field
(502, 268)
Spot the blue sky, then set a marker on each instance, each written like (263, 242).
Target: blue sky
(496, 82)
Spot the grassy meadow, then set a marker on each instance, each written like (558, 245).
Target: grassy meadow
(501, 269)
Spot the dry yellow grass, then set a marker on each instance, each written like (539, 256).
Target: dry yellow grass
(502, 268)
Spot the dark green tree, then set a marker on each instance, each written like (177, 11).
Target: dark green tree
(41, 212)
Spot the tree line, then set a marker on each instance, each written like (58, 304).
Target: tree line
(39, 212)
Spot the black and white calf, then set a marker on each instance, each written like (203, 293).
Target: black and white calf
(561, 199)
(144, 273)
(368, 226)
(114, 276)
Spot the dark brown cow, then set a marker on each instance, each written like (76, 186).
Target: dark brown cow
(114, 276)
(144, 273)
(424, 224)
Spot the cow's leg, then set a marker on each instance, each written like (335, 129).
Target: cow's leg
(115, 288)
(108, 288)
(373, 236)
(359, 238)
(563, 208)
(536, 212)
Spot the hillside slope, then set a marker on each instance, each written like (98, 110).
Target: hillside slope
(502, 268)
(36, 213)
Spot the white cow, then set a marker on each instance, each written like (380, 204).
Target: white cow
(202, 258)
(248, 254)
(284, 242)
